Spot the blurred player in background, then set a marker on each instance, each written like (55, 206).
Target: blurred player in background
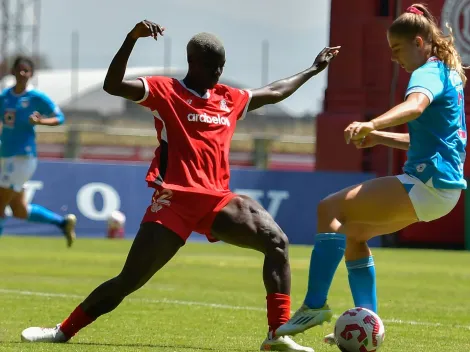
(21, 108)
(432, 180)
(195, 119)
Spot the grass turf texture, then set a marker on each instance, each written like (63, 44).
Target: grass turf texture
(211, 297)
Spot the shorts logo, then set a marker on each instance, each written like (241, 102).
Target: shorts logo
(24, 103)
(160, 200)
(420, 167)
(457, 14)
(216, 120)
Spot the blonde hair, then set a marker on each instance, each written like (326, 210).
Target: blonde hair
(418, 20)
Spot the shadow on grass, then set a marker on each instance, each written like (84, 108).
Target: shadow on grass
(175, 347)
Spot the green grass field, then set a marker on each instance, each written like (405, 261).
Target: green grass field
(211, 298)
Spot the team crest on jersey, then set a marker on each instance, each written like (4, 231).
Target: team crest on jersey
(223, 105)
(24, 103)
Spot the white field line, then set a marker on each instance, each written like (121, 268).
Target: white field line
(216, 306)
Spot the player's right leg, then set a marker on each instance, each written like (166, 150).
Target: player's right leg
(6, 189)
(153, 246)
(6, 194)
(245, 223)
(383, 203)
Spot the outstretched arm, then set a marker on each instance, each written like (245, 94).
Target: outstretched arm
(114, 82)
(280, 90)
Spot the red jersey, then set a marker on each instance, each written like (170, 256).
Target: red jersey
(194, 134)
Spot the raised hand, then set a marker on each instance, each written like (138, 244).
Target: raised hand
(325, 56)
(147, 29)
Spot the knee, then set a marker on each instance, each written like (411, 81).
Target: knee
(276, 242)
(324, 208)
(20, 213)
(329, 209)
(353, 241)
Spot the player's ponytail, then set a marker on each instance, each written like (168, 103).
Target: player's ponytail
(418, 20)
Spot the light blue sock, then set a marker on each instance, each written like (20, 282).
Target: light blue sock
(2, 222)
(362, 282)
(37, 213)
(326, 256)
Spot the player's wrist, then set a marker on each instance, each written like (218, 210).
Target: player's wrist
(315, 69)
(372, 125)
(132, 36)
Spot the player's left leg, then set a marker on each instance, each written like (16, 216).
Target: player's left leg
(153, 246)
(39, 214)
(245, 223)
(338, 216)
(341, 220)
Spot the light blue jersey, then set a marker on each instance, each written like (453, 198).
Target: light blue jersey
(439, 136)
(18, 135)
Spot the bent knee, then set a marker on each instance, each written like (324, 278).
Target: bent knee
(20, 213)
(328, 208)
(354, 241)
(276, 243)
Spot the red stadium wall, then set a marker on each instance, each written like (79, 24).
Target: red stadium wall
(359, 88)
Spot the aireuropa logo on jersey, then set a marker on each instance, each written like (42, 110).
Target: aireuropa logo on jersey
(217, 120)
(457, 14)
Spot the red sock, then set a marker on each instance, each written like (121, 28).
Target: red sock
(76, 321)
(278, 305)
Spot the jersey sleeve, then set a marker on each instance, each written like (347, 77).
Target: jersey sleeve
(155, 91)
(45, 106)
(241, 100)
(426, 80)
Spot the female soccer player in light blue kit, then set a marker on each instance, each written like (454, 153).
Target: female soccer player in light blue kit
(432, 180)
(21, 108)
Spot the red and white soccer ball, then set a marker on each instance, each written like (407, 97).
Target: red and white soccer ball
(359, 330)
(116, 222)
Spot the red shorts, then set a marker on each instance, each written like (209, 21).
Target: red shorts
(184, 212)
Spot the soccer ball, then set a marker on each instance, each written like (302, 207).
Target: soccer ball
(116, 222)
(359, 330)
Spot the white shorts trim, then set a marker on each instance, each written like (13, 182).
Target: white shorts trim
(16, 171)
(429, 203)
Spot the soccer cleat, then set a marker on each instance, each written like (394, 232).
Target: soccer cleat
(282, 343)
(305, 318)
(69, 228)
(35, 334)
(330, 339)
